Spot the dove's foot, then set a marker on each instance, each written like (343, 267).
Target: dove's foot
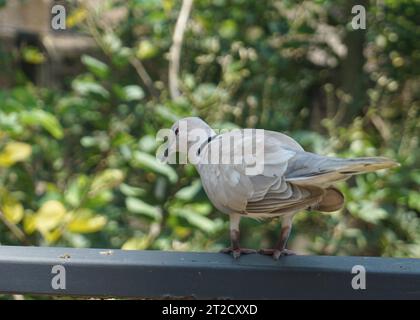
(276, 253)
(236, 253)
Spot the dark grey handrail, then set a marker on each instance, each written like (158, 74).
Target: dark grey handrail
(158, 274)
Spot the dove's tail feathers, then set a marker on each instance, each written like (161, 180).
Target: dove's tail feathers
(324, 171)
(362, 165)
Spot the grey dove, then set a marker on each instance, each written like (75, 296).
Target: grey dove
(291, 179)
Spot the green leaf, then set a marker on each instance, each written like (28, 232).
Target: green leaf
(147, 161)
(414, 200)
(46, 120)
(148, 143)
(166, 113)
(228, 29)
(85, 88)
(99, 200)
(197, 220)
(203, 208)
(112, 42)
(131, 191)
(95, 66)
(138, 206)
(367, 211)
(122, 56)
(189, 192)
(75, 191)
(133, 92)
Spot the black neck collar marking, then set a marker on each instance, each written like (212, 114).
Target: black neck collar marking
(209, 139)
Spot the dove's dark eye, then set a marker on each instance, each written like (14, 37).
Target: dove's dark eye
(176, 131)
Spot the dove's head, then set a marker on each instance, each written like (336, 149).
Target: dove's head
(187, 133)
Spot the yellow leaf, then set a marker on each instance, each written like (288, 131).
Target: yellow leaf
(146, 50)
(136, 243)
(84, 221)
(76, 17)
(182, 232)
(49, 216)
(52, 236)
(33, 55)
(106, 180)
(14, 152)
(29, 225)
(13, 211)
(168, 6)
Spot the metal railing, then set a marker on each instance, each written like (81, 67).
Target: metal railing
(157, 274)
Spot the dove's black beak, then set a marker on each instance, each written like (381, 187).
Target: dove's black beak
(166, 153)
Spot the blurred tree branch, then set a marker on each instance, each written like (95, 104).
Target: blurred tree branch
(15, 230)
(92, 24)
(175, 51)
(144, 76)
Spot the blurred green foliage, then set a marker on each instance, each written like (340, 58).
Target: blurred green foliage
(78, 166)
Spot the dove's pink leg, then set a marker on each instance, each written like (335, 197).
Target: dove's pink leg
(280, 247)
(235, 248)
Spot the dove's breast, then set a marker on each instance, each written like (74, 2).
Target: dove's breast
(227, 190)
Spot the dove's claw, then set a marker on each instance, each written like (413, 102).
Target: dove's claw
(276, 253)
(236, 253)
(281, 253)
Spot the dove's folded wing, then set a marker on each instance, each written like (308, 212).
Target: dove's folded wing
(266, 194)
(300, 198)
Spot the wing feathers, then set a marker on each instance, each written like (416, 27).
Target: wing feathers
(298, 198)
